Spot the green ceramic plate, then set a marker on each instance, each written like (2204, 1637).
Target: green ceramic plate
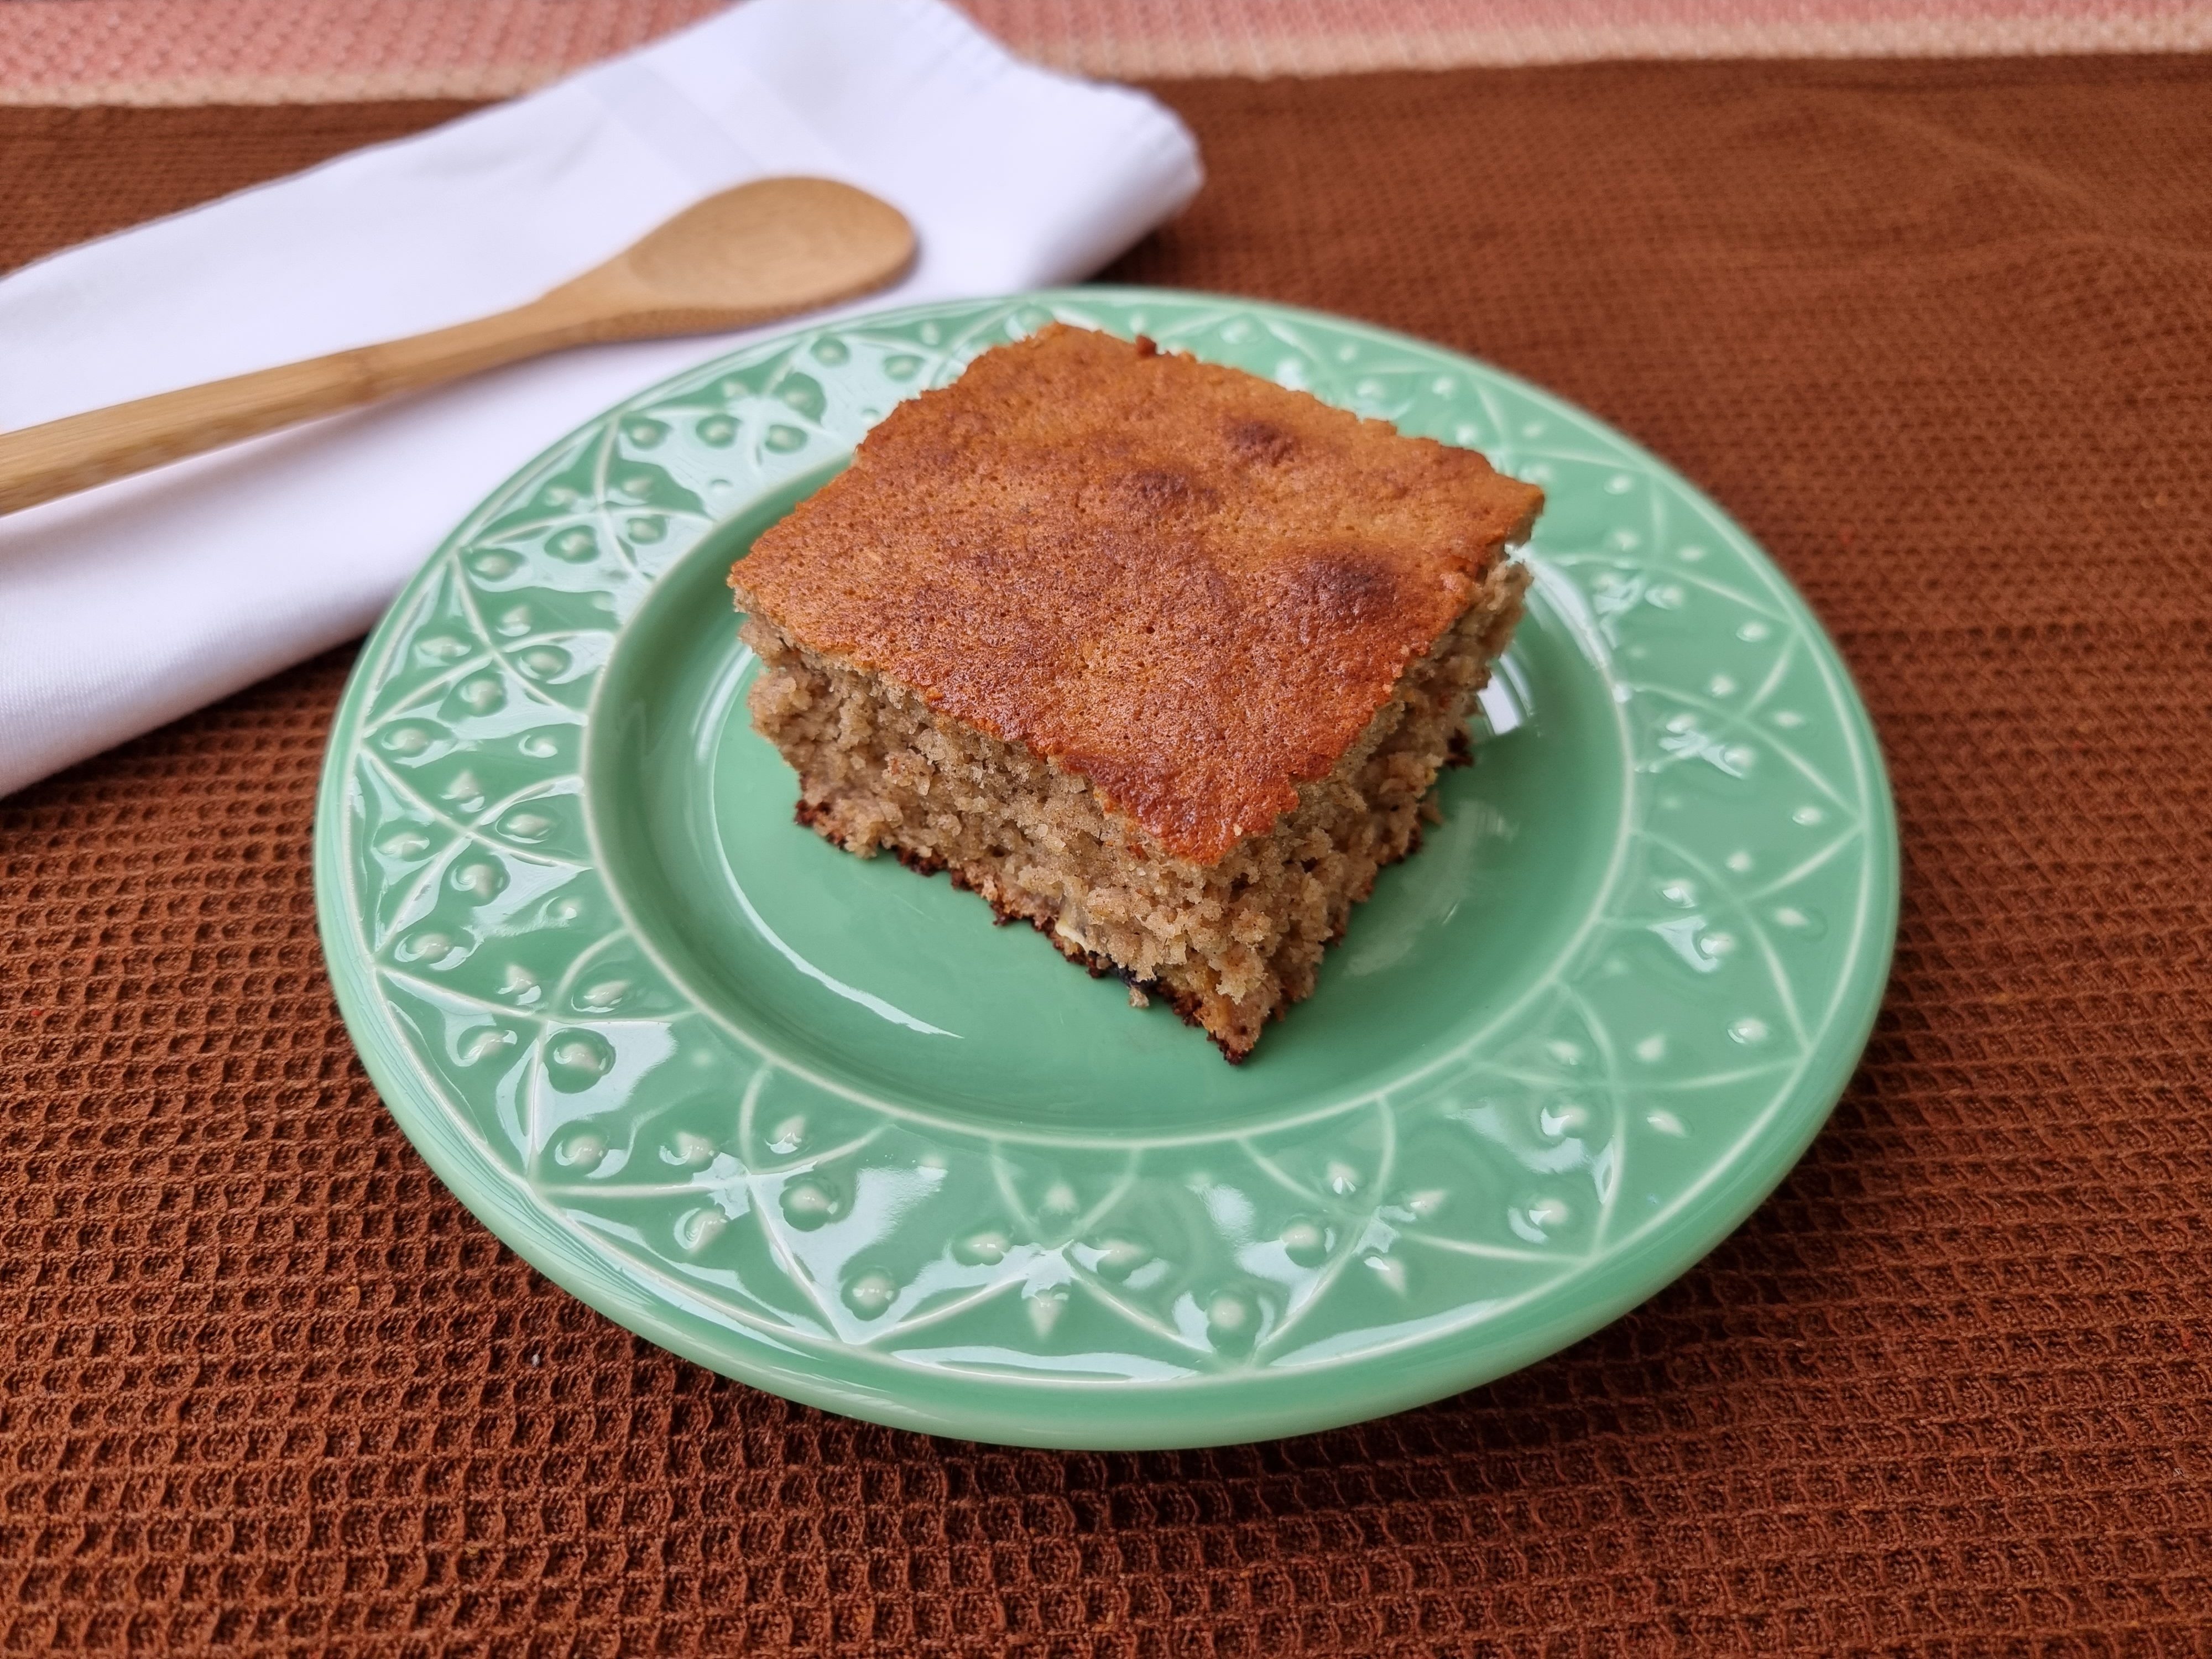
(817, 1123)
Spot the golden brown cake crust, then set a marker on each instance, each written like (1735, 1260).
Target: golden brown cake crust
(1188, 584)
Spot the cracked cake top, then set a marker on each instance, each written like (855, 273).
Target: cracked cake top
(1188, 584)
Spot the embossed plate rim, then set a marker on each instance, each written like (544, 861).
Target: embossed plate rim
(1069, 1411)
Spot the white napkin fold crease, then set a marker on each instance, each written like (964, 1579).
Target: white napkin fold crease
(132, 604)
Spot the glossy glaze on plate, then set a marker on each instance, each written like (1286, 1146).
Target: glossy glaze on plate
(817, 1123)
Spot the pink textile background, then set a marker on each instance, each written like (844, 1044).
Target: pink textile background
(188, 52)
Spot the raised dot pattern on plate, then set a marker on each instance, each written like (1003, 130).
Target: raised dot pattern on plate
(728, 1192)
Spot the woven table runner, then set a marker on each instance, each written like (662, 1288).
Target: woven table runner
(1940, 335)
(306, 52)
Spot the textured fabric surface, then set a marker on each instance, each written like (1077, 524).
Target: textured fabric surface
(1940, 336)
(262, 51)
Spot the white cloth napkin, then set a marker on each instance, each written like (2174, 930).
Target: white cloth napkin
(130, 604)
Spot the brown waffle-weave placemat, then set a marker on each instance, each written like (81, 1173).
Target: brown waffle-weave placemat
(1940, 335)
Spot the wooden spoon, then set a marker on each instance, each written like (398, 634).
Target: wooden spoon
(762, 250)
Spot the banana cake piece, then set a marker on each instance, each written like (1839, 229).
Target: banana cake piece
(1157, 655)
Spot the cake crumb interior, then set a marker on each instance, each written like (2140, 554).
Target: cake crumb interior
(1230, 943)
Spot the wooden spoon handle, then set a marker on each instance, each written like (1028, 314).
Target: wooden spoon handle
(79, 450)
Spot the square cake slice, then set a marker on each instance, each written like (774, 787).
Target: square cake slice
(1159, 656)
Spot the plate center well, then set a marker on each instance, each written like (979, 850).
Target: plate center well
(898, 988)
